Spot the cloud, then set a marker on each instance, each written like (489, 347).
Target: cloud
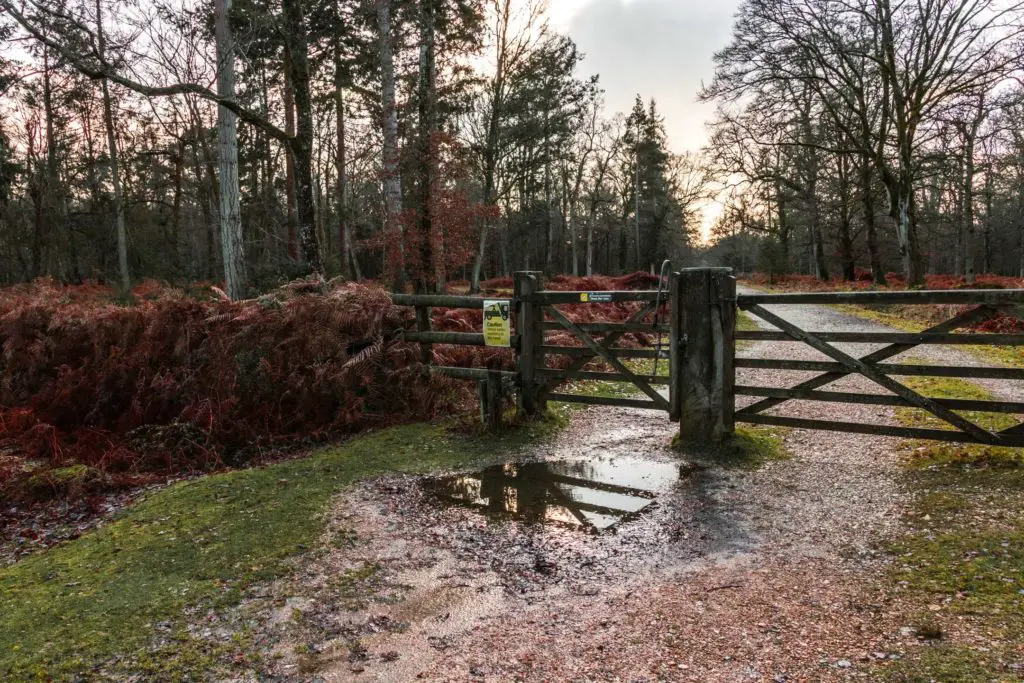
(656, 48)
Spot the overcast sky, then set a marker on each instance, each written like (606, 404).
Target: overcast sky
(657, 48)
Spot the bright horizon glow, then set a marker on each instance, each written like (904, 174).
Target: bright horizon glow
(659, 49)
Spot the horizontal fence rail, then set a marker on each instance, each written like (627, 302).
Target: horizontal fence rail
(554, 298)
(966, 372)
(438, 301)
(990, 297)
(981, 339)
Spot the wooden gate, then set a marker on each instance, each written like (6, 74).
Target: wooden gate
(539, 315)
(842, 364)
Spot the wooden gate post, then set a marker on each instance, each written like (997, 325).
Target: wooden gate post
(529, 357)
(706, 333)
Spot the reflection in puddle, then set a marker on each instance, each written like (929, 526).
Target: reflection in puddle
(592, 494)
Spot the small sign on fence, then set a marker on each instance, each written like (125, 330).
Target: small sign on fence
(595, 298)
(498, 323)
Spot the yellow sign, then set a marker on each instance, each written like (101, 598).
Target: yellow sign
(498, 323)
(585, 298)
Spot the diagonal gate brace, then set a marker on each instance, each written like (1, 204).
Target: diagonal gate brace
(857, 366)
(609, 357)
(961, 320)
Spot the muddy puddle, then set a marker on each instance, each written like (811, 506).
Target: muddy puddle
(590, 495)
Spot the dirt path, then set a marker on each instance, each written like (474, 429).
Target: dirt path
(766, 575)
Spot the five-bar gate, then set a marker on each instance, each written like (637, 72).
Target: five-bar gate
(694, 323)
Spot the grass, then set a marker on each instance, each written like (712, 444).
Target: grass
(114, 602)
(962, 560)
(749, 448)
(973, 456)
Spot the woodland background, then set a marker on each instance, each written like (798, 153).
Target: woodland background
(420, 142)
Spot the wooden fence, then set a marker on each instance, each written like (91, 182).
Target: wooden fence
(536, 315)
(492, 385)
(701, 351)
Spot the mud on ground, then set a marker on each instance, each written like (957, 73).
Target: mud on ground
(775, 574)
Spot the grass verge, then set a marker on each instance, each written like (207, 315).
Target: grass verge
(113, 603)
(962, 560)
(749, 448)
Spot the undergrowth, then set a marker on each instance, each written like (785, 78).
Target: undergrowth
(114, 603)
(184, 382)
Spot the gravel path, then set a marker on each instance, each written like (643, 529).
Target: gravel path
(769, 575)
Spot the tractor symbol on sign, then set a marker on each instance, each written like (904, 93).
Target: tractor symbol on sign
(501, 310)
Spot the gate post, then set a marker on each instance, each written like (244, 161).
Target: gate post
(529, 357)
(706, 301)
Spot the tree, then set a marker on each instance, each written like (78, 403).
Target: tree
(232, 243)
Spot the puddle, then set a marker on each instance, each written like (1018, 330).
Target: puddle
(593, 494)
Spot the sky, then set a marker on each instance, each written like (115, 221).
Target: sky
(655, 48)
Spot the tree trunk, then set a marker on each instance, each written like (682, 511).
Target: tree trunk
(302, 144)
(432, 250)
(344, 238)
(232, 243)
(902, 211)
(389, 125)
(868, 201)
(115, 172)
(288, 97)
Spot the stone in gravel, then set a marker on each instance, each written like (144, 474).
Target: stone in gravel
(844, 663)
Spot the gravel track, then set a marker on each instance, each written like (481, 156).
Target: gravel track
(766, 575)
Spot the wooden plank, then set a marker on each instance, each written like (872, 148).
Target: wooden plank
(980, 339)
(703, 359)
(475, 374)
(493, 393)
(879, 399)
(437, 301)
(596, 328)
(965, 318)
(449, 338)
(964, 372)
(991, 297)
(604, 401)
(581, 360)
(588, 355)
(424, 326)
(599, 376)
(875, 375)
(550, 298)
(608, 357)
(878, 430)
(723, 294)
(675, 342)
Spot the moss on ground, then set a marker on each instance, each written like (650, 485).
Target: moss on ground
(749, 448)
(962, 560)
(931, 453)
(115, 601)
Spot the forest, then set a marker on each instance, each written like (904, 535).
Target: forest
(423, 142)
(409, 142)
(874, 134)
